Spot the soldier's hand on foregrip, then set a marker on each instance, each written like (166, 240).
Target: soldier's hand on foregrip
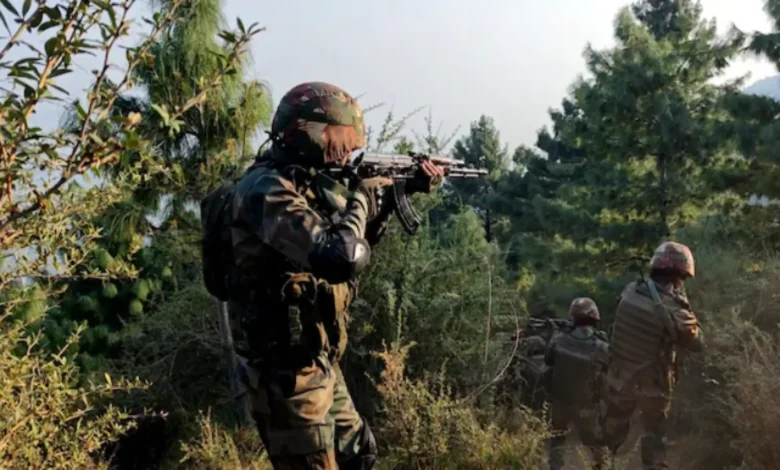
(428, 177)
(368, 187)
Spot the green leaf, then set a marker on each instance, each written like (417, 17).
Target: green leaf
(36, 20)
(161, 112)
(82, 113)
(240, 25)
(59, 88)
(58, 72)
(53, 12)
(227, 36)
(132, 140)
(9, 7)
(108, 379)
(26, 7)
(5, 23)
(112, 17)
(51, 46)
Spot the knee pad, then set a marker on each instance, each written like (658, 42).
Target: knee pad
(366, 457)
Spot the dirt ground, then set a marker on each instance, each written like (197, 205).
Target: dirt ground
(578, 457)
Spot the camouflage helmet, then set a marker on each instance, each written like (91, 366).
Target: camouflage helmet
(674, 256)
(584, 308)
(318, 123)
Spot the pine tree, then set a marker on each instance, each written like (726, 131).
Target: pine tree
(650, 129)
(481, 148)
(200, 148)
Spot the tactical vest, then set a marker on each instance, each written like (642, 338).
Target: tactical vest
(287, 312)
(638, 335)
(578, 363)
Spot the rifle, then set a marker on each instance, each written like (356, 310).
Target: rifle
(541, 323)
(401, 169)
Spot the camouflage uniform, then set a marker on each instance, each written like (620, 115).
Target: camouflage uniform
(578, 360)
(524, 384)
(532, 373)
(653, 320)
(292, 320)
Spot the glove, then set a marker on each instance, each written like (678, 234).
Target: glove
(429, 175)
(369, 189)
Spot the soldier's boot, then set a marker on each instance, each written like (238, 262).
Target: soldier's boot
(653, 452)
(556, 452)
(365, 458)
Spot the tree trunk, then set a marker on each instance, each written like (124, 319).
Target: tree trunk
(664, 207)
(488, 226)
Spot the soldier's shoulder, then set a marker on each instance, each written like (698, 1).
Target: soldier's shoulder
(263, 180)
(630, 288)
(675, 300)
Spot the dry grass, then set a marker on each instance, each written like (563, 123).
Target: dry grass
(424, 427)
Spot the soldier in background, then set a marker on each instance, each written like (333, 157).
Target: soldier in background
(527, 372)
(653, 320)
(578, 360)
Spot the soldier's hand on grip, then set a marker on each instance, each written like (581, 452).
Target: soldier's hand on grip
(428, 177)
(369, 188)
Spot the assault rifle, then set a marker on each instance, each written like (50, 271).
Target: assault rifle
(402, 169)
(536, 323)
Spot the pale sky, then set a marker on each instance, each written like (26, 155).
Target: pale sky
(508, 59)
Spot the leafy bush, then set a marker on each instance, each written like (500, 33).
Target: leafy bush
(46, 421)
(422, 426)
(216, 448)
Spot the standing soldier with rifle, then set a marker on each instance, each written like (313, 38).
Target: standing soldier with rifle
(578, 359)
(297, 241)
(652, 322)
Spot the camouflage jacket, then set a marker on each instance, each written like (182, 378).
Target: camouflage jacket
(646, 336)
(276, 219)
(578, 361)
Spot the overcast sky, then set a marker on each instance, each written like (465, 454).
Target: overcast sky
(509, 59)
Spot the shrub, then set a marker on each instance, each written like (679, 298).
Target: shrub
(424, 427)
(217, 447)
(46, 421)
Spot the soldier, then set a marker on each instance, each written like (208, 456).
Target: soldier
(532, 373)
(524, 382)
(299, 241)
(578, 360)
(652, 322)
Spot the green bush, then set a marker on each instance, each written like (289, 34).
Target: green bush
(216, 448)
(423, 426)
(45, 420)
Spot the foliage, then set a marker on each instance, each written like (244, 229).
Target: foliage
(644, 147)
(199, 116)
(50, 224)
(424, 427)
(217, 448)
(178, 351)
(46, 421)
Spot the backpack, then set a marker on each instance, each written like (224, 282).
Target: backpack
(217, 242)
(574, 375)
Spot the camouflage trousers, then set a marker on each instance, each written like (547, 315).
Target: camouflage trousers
(586, 422)
(306, 417)
(618, 408)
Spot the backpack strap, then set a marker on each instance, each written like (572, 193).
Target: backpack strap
(661, 310)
